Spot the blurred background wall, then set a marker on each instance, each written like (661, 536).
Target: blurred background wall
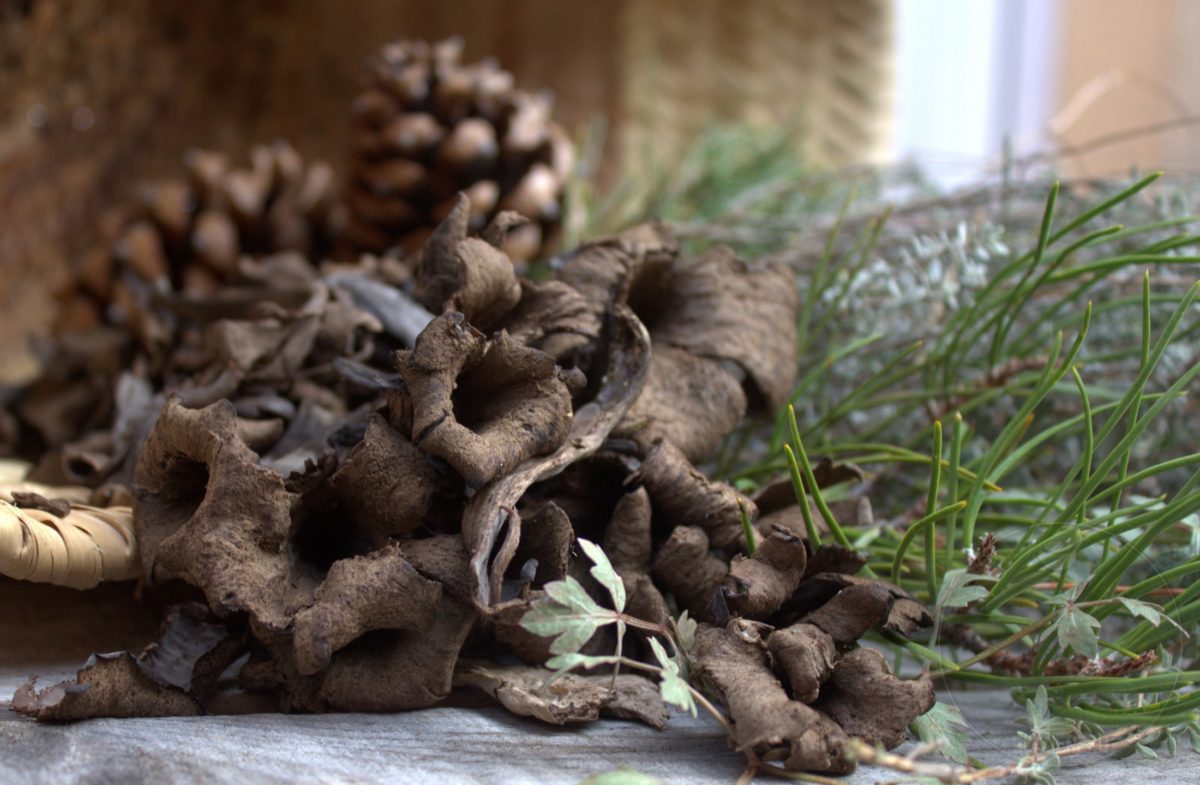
(98, 94)
(1111, 84)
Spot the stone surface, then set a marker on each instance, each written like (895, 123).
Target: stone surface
(469, 743)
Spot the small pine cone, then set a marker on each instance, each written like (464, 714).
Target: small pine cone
(187, 234)
(427, 127)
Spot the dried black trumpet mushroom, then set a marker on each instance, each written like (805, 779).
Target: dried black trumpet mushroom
(806, 655)
(758, 585)
(389, 488)
(466, 274)
(687, 569)
(692, 402)
(900, 614)
(110, 455)
(75, 393)
(848, 615)
(239, 353)
(427, 126)
(548, 537)
(869, 702)
(442, 558)
(209, 514)
(169, 678)
(483, 406)
(683, 496)
(714, 325)
(766, 721)
(570, 698)
(628, 543)
(379, 591)
(491, 526)
(553, 317)
(387, 670)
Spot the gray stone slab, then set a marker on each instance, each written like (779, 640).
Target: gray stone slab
(448, 746)
(49, 632)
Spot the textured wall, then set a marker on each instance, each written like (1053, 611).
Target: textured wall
(95, 94)
(1126, 66)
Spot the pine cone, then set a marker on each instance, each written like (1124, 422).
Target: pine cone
(427, 127)
(188, 234)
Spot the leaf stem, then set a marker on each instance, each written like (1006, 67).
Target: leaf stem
(935, 487)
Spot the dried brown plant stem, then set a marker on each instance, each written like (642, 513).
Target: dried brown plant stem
(698, 696)
(756, 767)
(1166, 591)
(953, 774)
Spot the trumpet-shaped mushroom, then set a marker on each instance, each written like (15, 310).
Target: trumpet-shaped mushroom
(380, 591)
(483, 407)
(869, 702)
(572, 698)
(766, 721)
(685, 568)
(628, 542)
(683, 496)
(210, 514)
(806, 655)
(169, 678)
(758, 585)
(388, 487)
(466, 274)
(713, 324)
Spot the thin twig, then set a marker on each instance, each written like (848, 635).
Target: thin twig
(1121, 589)
(954, 774)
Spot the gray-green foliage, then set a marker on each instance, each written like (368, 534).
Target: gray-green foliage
(672, 684)
(1052, 330)
(1066, 362)
(1076, 630)
(569, 615)
(944, 726)
(1045, 729)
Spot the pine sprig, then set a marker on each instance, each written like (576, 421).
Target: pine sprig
(1010, 364)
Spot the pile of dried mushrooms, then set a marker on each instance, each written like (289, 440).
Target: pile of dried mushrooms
(353, 479)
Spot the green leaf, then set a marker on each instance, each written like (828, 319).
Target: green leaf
(960, 588)
(944, 725)
(571, 594)
(561, 663)
(1044, 726)
(1076, 630)
(674, 689)
(685, 631)
(1145, 610)
(1039, 708)
(1153, 614)
(604, 573)
(1194, 736)
(568, 615)
(569, 629)
(621, 777)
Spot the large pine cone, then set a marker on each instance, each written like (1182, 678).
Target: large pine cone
(187, 234)
(426, 127)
